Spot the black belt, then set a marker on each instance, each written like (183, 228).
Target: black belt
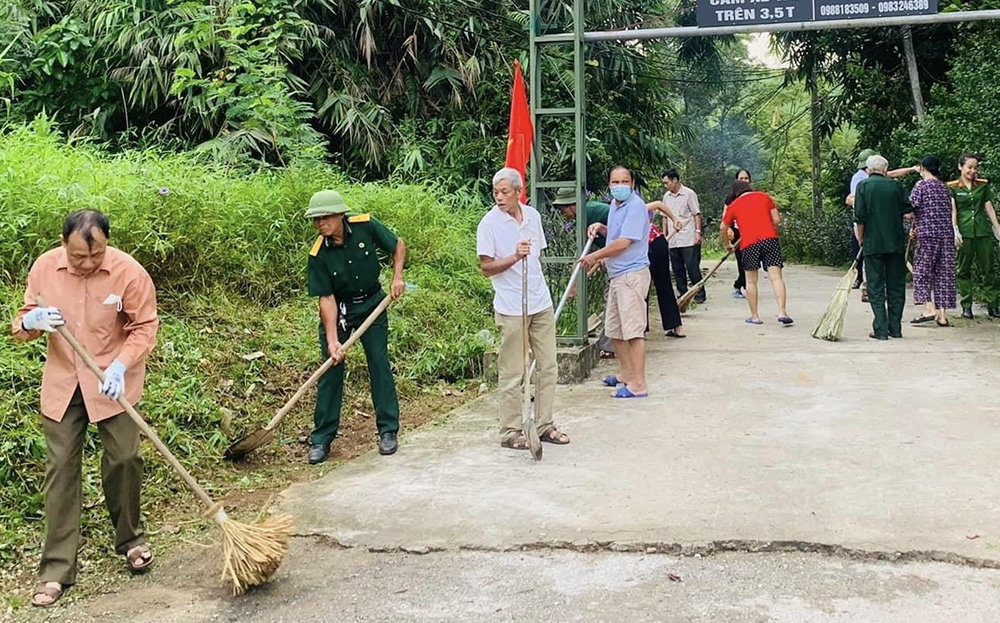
(361, 298)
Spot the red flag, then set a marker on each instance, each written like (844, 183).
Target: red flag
(520, 132)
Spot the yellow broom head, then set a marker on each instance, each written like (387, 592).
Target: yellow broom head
(252, 552)
(831, 324)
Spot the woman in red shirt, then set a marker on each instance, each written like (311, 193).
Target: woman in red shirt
(758, 220)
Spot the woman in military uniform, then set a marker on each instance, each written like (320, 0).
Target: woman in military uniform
(343, 272)
(976, 235)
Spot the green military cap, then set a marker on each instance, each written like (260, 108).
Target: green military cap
(325, 203)
(864, 156)
(564, 197)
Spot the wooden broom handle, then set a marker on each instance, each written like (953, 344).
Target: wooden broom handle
(372, 317)
(141, 423)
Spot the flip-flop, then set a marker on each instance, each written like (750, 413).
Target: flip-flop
(785, 321)
(623, 392)
(611, 381)
(673, 333)
(752, 321)
(923, 319)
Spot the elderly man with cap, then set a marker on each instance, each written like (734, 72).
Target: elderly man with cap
(343, 272)
(595, 212)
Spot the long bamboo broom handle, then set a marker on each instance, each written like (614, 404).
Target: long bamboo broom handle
(312, 380)
(669, 238)
(141, 423)
(524, 331)
(709, 275)
(565, 297)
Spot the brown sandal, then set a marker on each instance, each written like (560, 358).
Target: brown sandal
(139, 558)
(515, 442)
(49, 591)
(555, 436)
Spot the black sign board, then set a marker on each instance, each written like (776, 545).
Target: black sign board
(745, 12)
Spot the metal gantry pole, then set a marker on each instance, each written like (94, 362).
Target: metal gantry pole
(579, 105)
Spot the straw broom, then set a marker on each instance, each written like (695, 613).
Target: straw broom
(831, 324)
(686, 298)
(250, 553)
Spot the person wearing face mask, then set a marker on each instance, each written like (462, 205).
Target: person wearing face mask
(976, 234)
(108, 301)
(626, 259)
(685, 246)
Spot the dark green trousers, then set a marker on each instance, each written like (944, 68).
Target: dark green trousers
(886, 273)
(330, 391)
(121, 478)
(976, 255)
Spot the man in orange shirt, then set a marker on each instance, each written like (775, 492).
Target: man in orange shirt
(108, 301)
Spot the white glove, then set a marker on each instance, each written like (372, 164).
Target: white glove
(958, 239)
(114, 380)
(42, 319)
(996, 232)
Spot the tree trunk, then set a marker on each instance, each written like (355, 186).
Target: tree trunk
(911, 66)
(817, 182)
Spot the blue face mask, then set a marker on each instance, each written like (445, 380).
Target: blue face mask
(621, 192)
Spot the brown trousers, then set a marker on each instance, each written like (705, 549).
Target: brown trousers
(121, 478)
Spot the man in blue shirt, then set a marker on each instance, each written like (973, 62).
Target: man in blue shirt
(859, 176)
(626, 258)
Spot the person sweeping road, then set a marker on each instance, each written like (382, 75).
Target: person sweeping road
(109, 301)
(510, 239)
(879, 208)
(343, 272)
(758, 220)
(626, 258)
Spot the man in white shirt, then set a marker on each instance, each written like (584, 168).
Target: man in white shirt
(509, 233)
(685, 246)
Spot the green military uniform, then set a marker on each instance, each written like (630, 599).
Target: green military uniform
(978, 251)
(879, 205)
(350, 272)
(597, 212)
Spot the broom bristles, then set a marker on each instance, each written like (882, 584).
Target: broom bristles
(831, 324)
(253, 552)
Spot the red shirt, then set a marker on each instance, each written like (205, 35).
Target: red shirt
(752, 211)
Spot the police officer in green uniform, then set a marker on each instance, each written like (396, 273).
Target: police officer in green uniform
(343, 272)
(879, 208)
(976, 234)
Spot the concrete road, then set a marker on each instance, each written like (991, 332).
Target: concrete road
(779, 477)
(754, 434)
(318, 584)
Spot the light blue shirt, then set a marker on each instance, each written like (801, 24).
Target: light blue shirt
(858, 177)
(628, 219)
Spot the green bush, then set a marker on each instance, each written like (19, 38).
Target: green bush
(227, 250)
(809, 239)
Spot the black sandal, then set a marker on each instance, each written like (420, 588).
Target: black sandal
(943, 324)
(922, 319)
